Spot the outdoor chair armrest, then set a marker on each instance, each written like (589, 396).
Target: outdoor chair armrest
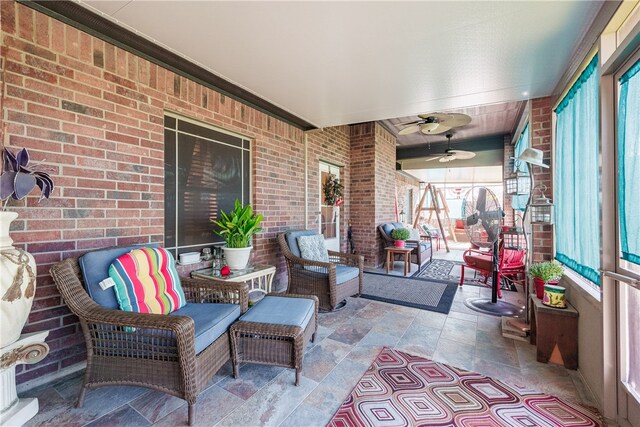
(476, 251)
(216, 291)
(311, 263)
(346, 258)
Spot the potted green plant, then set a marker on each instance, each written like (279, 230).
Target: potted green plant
(400, 235)
(18, 278)
(237, 228)
(544, 273)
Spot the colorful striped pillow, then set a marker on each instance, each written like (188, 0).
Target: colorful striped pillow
(147, 281)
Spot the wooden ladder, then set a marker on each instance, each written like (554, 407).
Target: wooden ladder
(437, 204)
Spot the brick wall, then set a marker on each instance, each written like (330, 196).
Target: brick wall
(373, 158)
(507, 171)
(540, 123)
(93, 114)
(404, 184)
(363, 203)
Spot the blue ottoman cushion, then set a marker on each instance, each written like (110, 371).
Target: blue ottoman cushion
(281, 311)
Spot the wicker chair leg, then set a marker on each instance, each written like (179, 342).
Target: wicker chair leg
(80, 401)
(298, 376)
(313, 337)
(192, 413)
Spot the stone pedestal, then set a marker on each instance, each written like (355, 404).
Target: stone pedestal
(28, 349)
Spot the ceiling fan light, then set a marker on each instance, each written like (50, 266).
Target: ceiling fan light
(428, 127)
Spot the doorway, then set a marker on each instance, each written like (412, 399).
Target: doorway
(329, 221)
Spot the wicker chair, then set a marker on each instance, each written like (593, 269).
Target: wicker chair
(332, 282)
(148, 350)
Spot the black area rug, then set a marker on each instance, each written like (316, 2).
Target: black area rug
(449, 271)
(413, 292)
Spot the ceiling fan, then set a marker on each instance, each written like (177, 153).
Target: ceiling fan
(450, 155)
(435, 123)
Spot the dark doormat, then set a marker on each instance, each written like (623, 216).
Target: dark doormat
(409, 291)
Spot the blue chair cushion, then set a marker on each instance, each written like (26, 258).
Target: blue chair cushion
(398, 224)
(292, 239)
(281, 311)
(95, 268)
(345, 273)
(388, 228)
(210, 321)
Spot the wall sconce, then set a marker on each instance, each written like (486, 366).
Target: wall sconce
(542, 209)
(517, 184)
(402, 216)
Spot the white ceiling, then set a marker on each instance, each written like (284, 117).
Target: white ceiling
(334, 63)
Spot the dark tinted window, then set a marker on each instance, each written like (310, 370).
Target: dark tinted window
(205, 171)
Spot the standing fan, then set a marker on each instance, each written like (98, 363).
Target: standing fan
(482, 216)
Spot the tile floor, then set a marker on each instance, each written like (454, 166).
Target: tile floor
(347, 342)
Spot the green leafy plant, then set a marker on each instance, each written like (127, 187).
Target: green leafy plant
(547, 270)
(238, 226)
(332, 190)
(400, 234)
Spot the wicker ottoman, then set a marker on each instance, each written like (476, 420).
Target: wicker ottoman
(275, 332)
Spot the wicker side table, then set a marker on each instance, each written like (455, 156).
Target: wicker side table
(272, 343)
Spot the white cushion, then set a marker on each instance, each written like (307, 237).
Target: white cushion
(313, 248)
(414, 234)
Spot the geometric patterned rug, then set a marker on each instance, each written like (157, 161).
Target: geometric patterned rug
(399, 389)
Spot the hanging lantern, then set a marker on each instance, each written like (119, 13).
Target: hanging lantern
(541, 211)
(517, 184)
(402, 216)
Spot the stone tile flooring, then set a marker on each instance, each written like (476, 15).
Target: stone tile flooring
(347, 342)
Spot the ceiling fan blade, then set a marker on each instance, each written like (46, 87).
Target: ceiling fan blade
(448, 158)
(438, 130)
(409, 130)
(463, 155)
(453, 120)
(433, 158)
(412, 122)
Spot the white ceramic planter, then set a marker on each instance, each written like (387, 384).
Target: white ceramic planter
(237, 258)
(17, 283)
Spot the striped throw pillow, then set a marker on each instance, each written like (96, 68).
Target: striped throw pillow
(147, 281)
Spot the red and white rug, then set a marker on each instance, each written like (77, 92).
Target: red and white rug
(399, 389)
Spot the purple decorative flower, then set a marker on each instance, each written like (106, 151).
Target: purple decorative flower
(18, 181)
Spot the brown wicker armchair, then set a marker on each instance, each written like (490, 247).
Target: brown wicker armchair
(332, 282)
(149, 350)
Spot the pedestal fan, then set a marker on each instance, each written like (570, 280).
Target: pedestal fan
(483, 222)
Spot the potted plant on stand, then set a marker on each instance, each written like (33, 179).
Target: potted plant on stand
(400, 235)
(237, 228)
(543, 273)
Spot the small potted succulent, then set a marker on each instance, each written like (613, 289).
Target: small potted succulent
(547, 272)
(400, 235)
(237, 228)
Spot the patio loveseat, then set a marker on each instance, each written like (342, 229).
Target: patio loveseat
(422, 253)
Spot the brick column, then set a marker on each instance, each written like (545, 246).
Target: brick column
(540, 123)
(372, 187)
(507, 171)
